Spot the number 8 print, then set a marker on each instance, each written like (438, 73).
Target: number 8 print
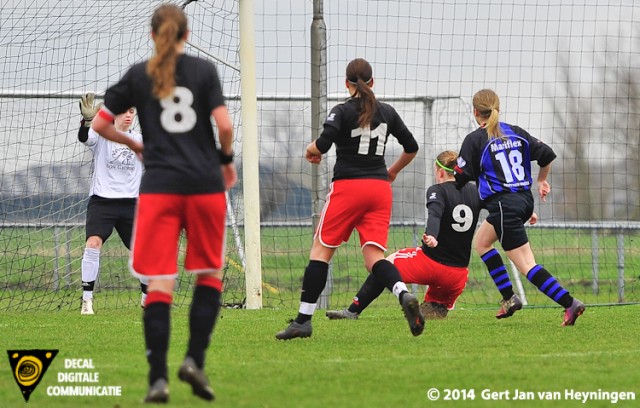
(177, 115)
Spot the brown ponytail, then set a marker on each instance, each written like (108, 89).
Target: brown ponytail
(169, 25)
(487, 103)
(360, 74)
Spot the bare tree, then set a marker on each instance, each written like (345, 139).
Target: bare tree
(599, 122)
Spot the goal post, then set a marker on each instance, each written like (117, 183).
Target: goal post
(250, 158)
(429, 58)
(48, 64)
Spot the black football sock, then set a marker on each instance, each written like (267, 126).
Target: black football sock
(202, 319)
(313, 283)
(387, 274)
(369, 291)
(498, 272)
(548, 285)
(156, 318)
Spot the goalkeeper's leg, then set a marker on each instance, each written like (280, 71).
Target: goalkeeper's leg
(90, 268)
(124, 226)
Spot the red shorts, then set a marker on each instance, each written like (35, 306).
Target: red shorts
(445, 283)
(160, 219)
(363, 205)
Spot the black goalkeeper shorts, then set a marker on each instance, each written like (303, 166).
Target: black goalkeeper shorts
(105, 214)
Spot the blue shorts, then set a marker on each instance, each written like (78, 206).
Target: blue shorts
(508, 213)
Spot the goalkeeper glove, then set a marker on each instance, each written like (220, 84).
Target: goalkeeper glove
(88, 109)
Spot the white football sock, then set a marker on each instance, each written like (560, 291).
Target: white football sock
(398, 288)
(90, 268)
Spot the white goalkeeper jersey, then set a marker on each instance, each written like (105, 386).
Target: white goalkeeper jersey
(116, 168)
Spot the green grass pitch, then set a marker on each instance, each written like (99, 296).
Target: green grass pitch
(371, 362)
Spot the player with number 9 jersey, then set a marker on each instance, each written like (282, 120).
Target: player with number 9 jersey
(442, 261)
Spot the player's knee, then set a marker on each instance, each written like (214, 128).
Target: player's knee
(482, 248)
(94, 242)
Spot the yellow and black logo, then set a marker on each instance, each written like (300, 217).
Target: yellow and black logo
(28, 367)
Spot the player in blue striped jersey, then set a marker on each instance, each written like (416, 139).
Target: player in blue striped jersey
(498, 157)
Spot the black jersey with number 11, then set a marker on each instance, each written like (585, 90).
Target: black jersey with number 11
(180, 153)
(360, 151)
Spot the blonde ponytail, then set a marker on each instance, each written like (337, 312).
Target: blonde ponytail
(169, 25)
(487, 103)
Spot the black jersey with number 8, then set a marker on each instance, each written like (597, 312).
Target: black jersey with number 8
(180, 153)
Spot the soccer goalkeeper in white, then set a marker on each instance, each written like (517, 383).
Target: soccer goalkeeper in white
(112, 199)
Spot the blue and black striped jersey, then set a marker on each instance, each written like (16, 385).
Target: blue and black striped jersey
(360, 152)
(501, 165)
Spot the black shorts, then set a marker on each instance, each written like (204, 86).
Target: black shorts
(105, 214)
(508, 213)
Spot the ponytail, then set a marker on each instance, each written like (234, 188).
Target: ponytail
(493, 125)
(360, 74)
(169, 25)
(487, 103)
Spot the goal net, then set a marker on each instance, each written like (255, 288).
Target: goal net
(54, 52)
(567, 73)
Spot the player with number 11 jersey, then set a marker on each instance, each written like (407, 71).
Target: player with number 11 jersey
(360, 151)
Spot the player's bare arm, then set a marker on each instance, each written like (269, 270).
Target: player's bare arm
(312, 154)
(402, 162)
(543, 186)
(105, 128)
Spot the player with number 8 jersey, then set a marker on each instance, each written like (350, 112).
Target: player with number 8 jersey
(183, 188)
(179, 148)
